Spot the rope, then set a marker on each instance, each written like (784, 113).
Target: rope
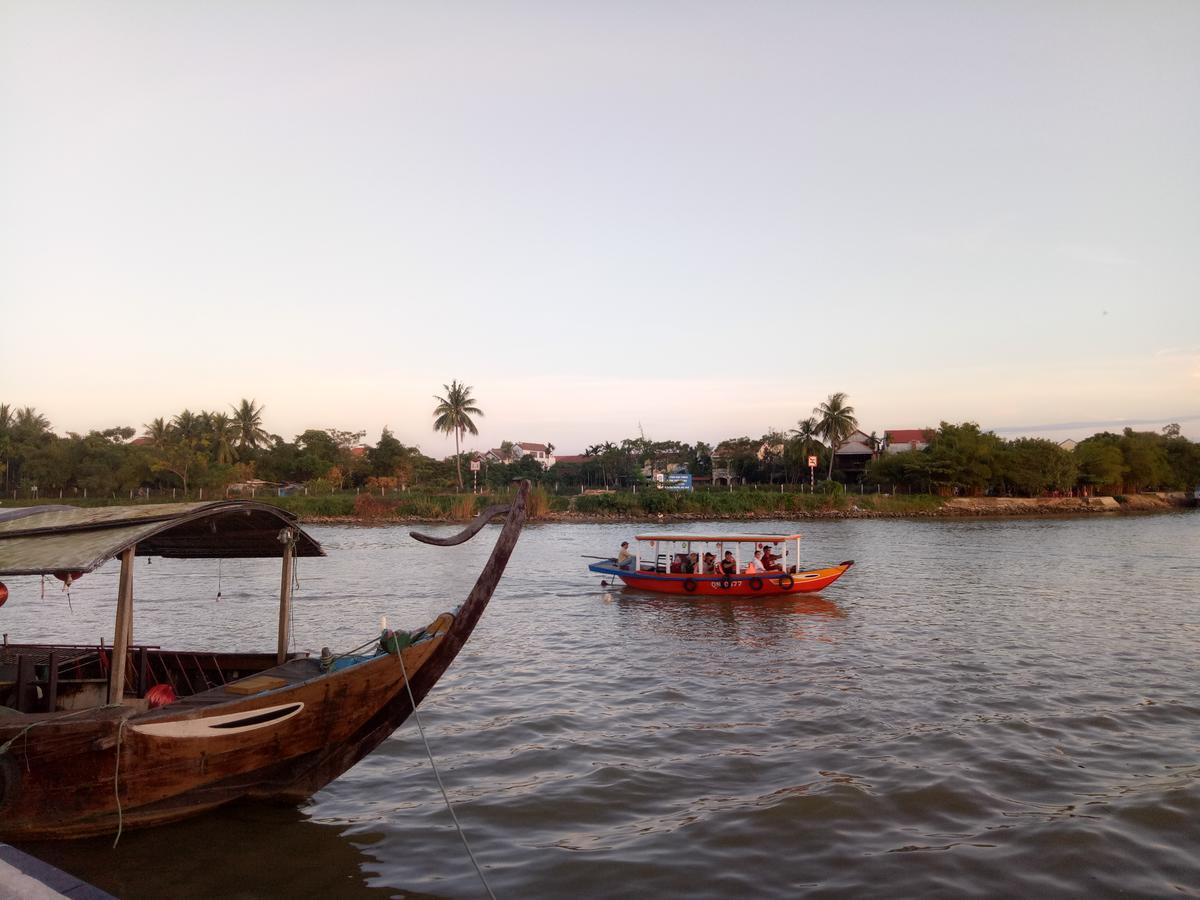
(462, 834)
(7, 745)
(117, 785)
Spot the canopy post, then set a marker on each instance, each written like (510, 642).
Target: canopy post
(287, 536)
(122, 628)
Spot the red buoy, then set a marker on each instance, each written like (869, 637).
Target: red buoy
(3, 593)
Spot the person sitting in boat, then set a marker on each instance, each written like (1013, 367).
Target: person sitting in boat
(687, 563)
(755, 566)
(728, 564)
(770, 560)
(710, 564)
(625, 559)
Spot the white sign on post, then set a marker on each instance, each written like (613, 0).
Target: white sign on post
(474, 465)
(812, 462)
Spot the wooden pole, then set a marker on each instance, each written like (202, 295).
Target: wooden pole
(116, 675)
(285, 598)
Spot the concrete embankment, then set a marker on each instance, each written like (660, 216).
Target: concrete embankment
(25, 877)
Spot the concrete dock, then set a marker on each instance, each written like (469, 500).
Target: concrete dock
(24, 877)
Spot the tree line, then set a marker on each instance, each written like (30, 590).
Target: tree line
(211, 449)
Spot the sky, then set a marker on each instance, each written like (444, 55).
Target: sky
(690, 220)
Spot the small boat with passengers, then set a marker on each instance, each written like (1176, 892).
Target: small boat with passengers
(664, 566)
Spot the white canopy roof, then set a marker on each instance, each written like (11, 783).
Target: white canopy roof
(721, 538)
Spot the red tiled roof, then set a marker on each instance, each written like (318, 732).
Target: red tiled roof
(527, 446)
(905, 435)
(571, 459)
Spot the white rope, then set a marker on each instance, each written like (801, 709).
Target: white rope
(462, 834)
(117, 786)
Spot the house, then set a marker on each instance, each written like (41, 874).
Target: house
(540, 452)
(1069, 444)
(515, 452)
(723, 457)
(901, 440)
(575, 459)
(769, 448)
(853, 455)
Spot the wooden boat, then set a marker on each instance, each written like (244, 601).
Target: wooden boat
(81, 752)
(663, 567)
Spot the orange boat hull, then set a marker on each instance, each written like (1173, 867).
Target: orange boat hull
(771, 585)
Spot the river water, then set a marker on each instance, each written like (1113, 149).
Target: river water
(977, 708)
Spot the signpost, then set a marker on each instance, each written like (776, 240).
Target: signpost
(474, 476)
(812, 472)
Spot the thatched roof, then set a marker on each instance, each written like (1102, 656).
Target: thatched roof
(46, 539)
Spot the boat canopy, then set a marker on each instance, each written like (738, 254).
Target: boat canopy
(721, 538)
(42, 540)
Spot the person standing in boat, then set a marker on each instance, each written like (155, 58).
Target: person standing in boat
(625, 559)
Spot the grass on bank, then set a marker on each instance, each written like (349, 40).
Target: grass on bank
(628, 504)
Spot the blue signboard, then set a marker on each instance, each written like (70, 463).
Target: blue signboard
(680, 481)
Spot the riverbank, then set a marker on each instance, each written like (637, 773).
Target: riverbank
(798, 507)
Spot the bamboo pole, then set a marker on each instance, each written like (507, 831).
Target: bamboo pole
(122, 628)
(285, 597)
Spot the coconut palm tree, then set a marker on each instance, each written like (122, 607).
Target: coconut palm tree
(158, 431)
(453, 415)
(835, 423)
(223, 431)
(187, 427)
(247, 418)
(807, 435)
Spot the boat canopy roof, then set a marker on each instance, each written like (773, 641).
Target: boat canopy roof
(721, 538)
(42, 540)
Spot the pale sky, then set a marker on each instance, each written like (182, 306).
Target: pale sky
(702, 218)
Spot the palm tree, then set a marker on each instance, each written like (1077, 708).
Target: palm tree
(835, 423)
(247, 418)
(186, 426)
(158, 431)
(30, 423)
(807, 434)
(224, 431)
(453, 415)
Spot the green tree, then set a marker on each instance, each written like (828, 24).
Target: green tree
(247, 420)
(223, 435)
(452, 415)
(835, 423)
(963, 457)
(1100, 462)
(1145, 460)
(390, 458)
(1033, 466)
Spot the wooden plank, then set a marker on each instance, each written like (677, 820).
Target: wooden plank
(116, 677)
(285, 602)
(256, 684)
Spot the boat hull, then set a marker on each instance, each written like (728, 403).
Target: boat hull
(770, 585)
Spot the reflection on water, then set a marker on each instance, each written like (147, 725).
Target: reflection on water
(744, 620)
(246, 850)
(997, 708)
